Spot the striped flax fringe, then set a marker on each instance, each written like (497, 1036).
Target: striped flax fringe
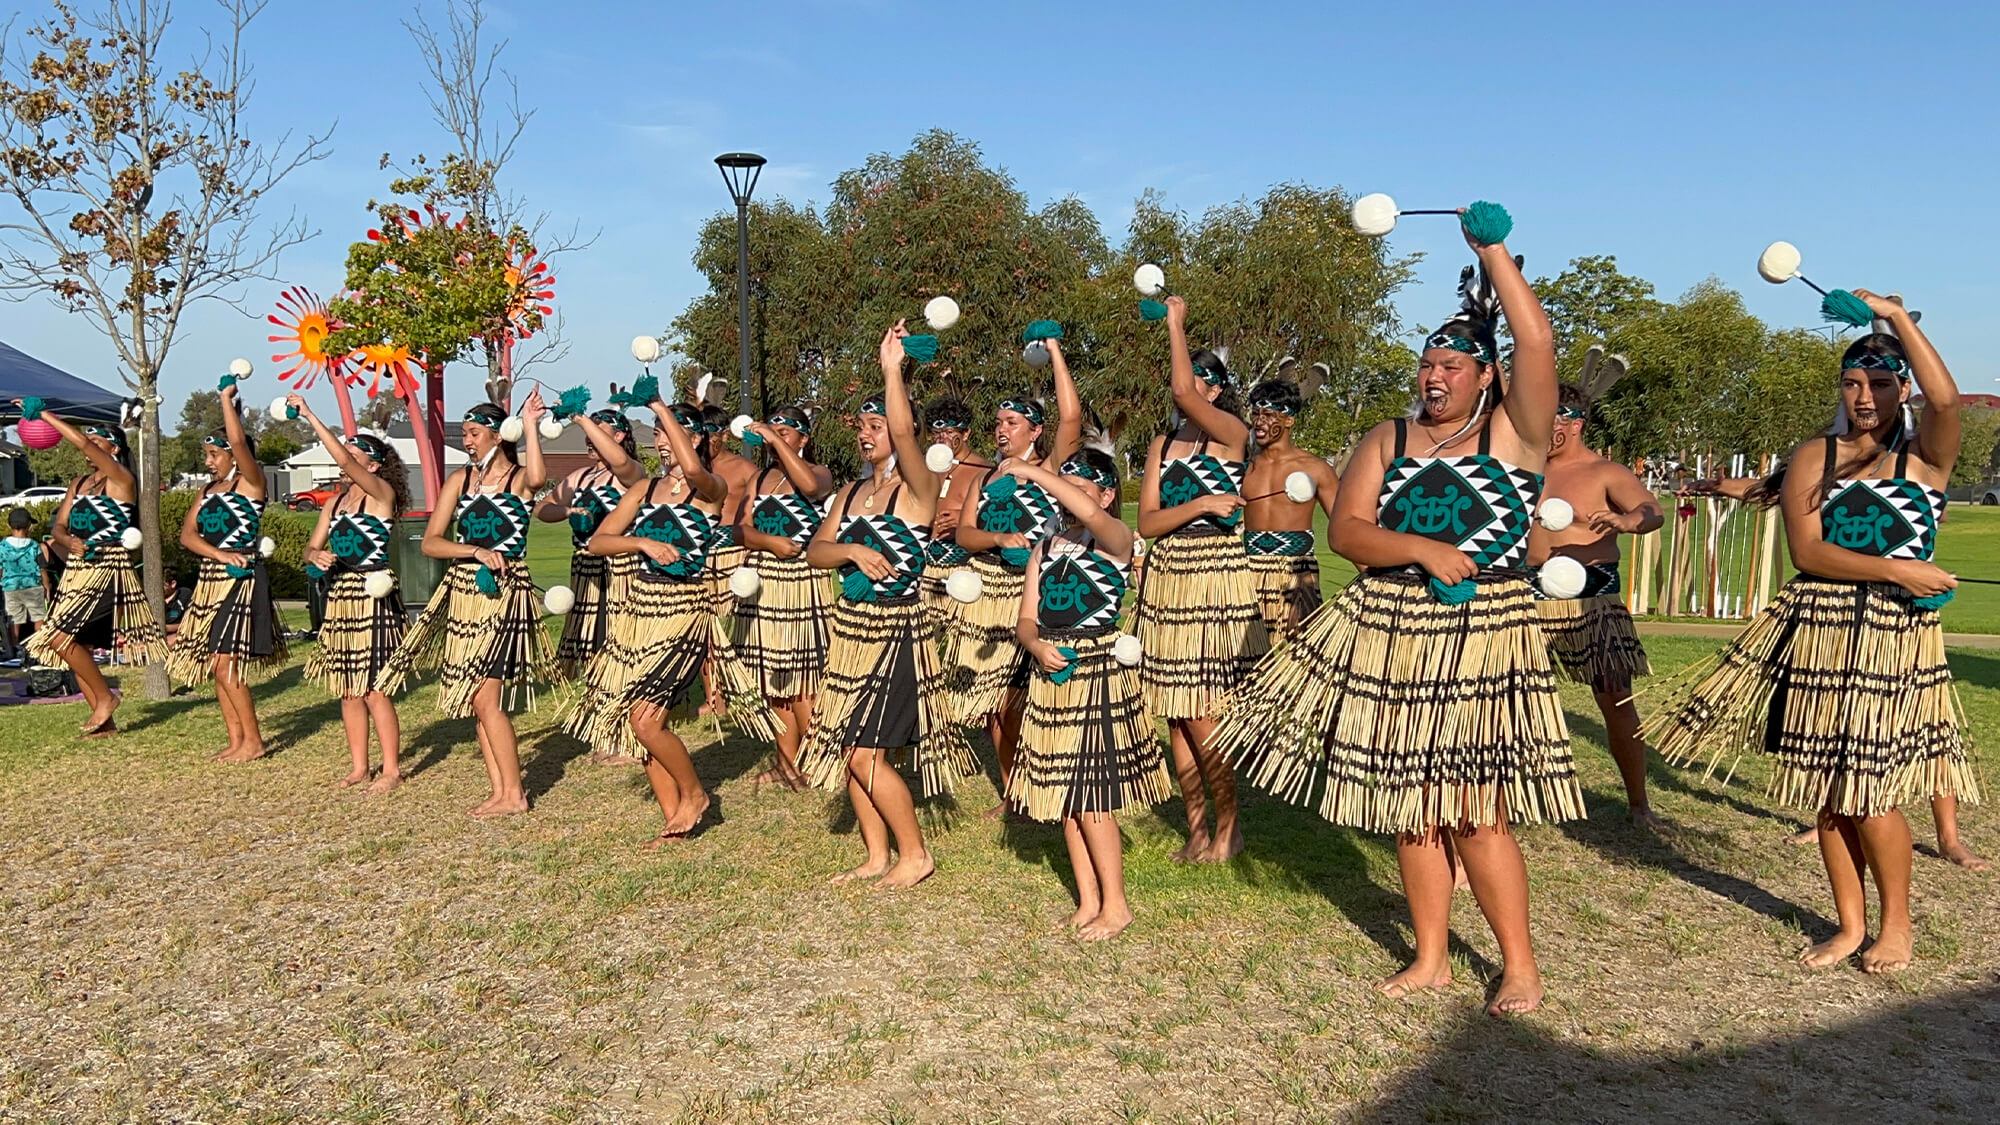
(1394, 712)
(1594, 641)
(1845, 685)
(95, 592)
(654, 619)
(357, 636)
(1287, 592)
(781, 634)
(228, 617)
(470, 637)
(1197, 618)
(982, 657)
(722, 562)
(1087, 745)
(871, 642)
(584, 627)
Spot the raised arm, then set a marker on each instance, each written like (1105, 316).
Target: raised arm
(247, 469)
(101, 460)
(814, 482)
(1938, 431)
(1531, 386)
(534, 471)
(344, 455)
(903, 426)
(1069, 407)
(623, 466)
(1109, 531)
(1190, 397)
(705, 484)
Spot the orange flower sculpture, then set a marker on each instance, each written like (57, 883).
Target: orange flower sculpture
(304, 314)
(374, 361)
(530, 283)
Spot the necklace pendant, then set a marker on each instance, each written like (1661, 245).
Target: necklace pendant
(869, 503)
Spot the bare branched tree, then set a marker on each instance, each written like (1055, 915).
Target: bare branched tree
(136, 191)
(478, 103)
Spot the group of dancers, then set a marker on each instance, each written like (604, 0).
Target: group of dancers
(864, 629)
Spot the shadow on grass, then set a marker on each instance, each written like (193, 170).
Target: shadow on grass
(1928, 1062)
(1979, 669)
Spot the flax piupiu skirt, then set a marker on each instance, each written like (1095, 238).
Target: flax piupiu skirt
(357, 636)
(470, 637)
(884, 688)
(983, 660)
(1087, 745)
(1198, 619)
(229, 615)
(100, 603)
(780, 635)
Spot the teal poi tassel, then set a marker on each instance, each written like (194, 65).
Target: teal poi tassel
(999, 488)
(314, 572)
(1929, 601)
(238, 571)
(858, 587)
(1487, 223)
(1015, 556)
(488, 584)
(1062, 675)
(1842, 307)
(573, 402)
(226, 382)
(1150, 309)
(923, 349)
(1456, 593)
(645, 391)
(1042, 330)
(31, 408)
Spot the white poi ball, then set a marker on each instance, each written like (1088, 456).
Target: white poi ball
(964, 585)
(266, 547)
(1036, 354)
(1374, 215)
(1562, 577)
(740, 425)
(379, 583)
(1555, 514)
(1779, 262)
(559, 600)
(550, 428)
(281, 410)
(645, 349)
(240, 367)
(745, 582)
(1149, 279)
(1127, 650)
(1138, 548)
(511, 428)
(938, 458)
(941, 312)
(1299, 488)
(131, 538)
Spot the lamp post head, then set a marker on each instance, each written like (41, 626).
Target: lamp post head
(740, 171)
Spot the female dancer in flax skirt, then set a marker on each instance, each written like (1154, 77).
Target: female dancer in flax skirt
(950, 421)
(99, 602)
(983, 661)
(1430, 708)
(1197, 615)
(582, 498)
(1842, 679)
(230, 633)
(1087, 746)
(364, 617)
(779, 632)
(662, 630)
(884, 688)
(1278, 530)
(725, 556)
(482, 630)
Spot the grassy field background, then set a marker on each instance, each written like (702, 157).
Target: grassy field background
(196, 943)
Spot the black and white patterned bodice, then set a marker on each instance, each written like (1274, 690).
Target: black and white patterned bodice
(358, 541)
(900, 543)
(1476, 502)
(683, 527)
(785, 515)
(228, 521)
(1890, 517)
(1012, 506)
(1079, 591)
(588, 507)
(1291, 544)
(497, 521)
(98, 520)
(1183, 480)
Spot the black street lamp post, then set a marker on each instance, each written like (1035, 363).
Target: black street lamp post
(739, 171)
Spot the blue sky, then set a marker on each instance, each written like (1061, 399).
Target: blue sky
(1682, 139)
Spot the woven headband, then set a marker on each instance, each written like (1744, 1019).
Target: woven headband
(1873, 363)
(1473, 348)
(1574, 412)
(1075, 467)
(874, 406)
(613, 418)
(371, 445)
(1212, 378)
(792, 419)
(950, 424)
(1289, 409)
(1032, 411)
(486, 414)
(217, 442)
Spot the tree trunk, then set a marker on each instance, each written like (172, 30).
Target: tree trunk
(151, 566)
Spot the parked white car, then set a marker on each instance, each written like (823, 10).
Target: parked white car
(36, 495)
(1988, 495)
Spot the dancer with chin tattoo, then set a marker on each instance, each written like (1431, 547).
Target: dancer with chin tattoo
(1278, 525)
(1420, 700)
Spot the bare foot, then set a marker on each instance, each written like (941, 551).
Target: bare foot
(1082, 917)
(389, 780)
(480, 808)
(1964, 857)
(358, 777)
(1644, 817)
(1801, 839)
(1222, 851)
(97, 722)
(712, 707)
(500, 807)
(663, 839)
(1520, 991)
(872, 869)
(247, 754)
(1832, 951)
(1415, 979)
(104, 730)
(688, 814)
(1106, 925)
(1197, 845)
(995, 813)
(226, 754)
(1890, 953)
(908, 872)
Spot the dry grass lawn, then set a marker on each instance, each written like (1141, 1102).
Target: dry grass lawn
(187, 942)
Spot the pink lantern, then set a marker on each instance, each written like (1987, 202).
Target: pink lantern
(37, 434)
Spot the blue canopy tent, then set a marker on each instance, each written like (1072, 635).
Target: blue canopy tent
(22, 375)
